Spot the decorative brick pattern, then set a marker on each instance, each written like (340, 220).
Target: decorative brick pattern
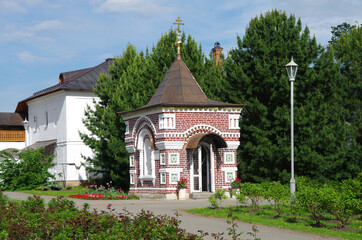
(187, 124)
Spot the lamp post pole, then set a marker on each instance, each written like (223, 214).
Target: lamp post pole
(292, 68)
(26, 127)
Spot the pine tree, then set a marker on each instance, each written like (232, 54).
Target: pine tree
(256, 75)
(346, 44)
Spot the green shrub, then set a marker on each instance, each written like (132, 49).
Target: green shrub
(313, 200)
(277, 195)
(344, 201)
(27, 172)
(63, 221)
(254, 191)
(216, 198)
(35, 204)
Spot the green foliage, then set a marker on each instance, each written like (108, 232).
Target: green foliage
(254, 192)
(63, 221)
(325, 145)
(344, 200)
(313, 199)
(277, 195)
(347, 48)
(216, 198)
(35, 204)
(25, 170)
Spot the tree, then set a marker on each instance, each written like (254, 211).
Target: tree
(346, 44)
(256, 76)
(134, 79)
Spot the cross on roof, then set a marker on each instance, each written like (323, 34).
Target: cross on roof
(178, 23)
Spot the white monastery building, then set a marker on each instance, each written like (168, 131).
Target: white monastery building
(55, 116)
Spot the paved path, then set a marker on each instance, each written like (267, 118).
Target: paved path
(192, 223)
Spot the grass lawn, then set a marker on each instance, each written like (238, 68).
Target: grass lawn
(64, 193)
(266, 216)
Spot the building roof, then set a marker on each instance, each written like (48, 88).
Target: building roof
(83, 80)
(179, 88)
(10, 120)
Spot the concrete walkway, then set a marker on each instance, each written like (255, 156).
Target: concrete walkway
(192, 223)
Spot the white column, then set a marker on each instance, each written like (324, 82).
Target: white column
(200, 168)
(212, 165)
(191, 171)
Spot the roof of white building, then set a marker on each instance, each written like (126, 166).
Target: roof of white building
(83, 80)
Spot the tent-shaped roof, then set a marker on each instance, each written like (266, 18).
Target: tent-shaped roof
(179, 88)
(83, 80)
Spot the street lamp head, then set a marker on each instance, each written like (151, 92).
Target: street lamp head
(26, 124)
(292, 68)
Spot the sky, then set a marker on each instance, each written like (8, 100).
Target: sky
(39, 39)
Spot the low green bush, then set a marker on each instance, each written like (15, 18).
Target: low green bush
(254, 192)
(25, 170)
(61, 220)
(216, 198)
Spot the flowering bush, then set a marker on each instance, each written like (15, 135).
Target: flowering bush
(182, 183)
(236, 184)
(104, 192)
(102, 196)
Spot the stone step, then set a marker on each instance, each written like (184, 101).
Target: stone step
(200, 195)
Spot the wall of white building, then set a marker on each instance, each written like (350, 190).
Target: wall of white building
(16, 145)
(65, 110)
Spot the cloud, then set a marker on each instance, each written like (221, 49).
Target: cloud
(145, 7)
(29, 58)
(17, 6)
(15, 32)
(50, 25)
(7, 6)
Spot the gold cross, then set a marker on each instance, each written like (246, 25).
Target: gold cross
(178, 23)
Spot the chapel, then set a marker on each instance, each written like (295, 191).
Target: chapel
(181, 133)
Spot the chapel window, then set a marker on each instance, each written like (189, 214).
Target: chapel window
(147, 157)
(167, 121)
(234, 121)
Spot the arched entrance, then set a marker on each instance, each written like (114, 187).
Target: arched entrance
(202, 163)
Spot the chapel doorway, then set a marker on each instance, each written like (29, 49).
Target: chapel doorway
(201, 168)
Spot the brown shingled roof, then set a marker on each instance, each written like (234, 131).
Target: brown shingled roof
(179, 88)
(8, 120)
(83, 79)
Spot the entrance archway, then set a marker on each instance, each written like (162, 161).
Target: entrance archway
(202, 163)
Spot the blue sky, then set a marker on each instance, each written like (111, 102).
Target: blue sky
(40, 39)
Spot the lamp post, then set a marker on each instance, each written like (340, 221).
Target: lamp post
(292, 68)
(26, 126)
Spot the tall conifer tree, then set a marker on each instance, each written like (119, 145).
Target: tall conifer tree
(256, 76)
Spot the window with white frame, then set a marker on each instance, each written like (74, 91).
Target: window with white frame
(174, 177)
(147, 157)
(234, 121)
(229, 158)
(131, 161)
(162, 159)
(131, 178)
(167, 121)
(174, 158)
(163, 178)
(127, 127)
(229, 176)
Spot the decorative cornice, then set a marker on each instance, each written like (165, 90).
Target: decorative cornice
(229, 169)
(170, 145)
(168, 170)
(233, 144)
(160, 109)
